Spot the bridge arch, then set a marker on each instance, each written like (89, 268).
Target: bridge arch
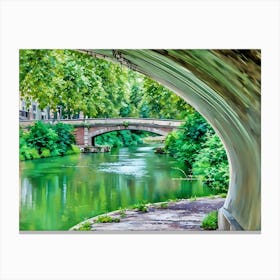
(130, 127)
(103, 130)
(224, 87)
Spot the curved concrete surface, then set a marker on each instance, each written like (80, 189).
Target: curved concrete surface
(224, 86)
(101, 131)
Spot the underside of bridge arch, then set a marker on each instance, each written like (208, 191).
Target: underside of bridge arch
(224, 86)
(100, 131)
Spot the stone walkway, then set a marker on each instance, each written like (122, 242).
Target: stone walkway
(178, 216)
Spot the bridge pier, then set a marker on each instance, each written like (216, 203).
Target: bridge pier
(86, 136)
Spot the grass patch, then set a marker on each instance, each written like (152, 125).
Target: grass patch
(164, 205)
(192, 198)
(142, 207)
(85, 226)
(122, 213)
(174, 199)
(107, 219)
(223, 195)
(210, 221)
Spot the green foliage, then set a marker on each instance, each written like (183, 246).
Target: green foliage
(185, 143)
(154, 102)
(142, 207)
(25, 151)
(193, 198)
(107, 219)
(65, 137)
(85, 226)
(164, 205)
(122, 213)
(42, 136)
(75, 149)
(126, 124)
(45, 153)
(210, 222)
(44, 140)
(123, 138)
(211, 163)
(201, 151)
(34, 153)
(76, 82)
(223, 195)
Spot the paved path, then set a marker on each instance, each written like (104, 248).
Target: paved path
(178, 216)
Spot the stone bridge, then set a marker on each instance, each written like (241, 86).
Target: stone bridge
(87, 129)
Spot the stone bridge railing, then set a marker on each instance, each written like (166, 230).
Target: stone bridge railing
(113, 121)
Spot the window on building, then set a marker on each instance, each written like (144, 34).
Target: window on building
(34, 107)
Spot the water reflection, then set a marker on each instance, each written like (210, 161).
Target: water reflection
(57, 193)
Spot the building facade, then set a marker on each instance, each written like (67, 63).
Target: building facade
(33, 112)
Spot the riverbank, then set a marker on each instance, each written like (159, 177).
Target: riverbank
(182, 215)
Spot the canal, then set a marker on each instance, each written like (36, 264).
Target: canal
(57, 193)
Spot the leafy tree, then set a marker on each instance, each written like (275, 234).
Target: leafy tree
(211, 162)
(78, 83)
(65, 137)
(161, 102)
(200, 149)
(187, 141)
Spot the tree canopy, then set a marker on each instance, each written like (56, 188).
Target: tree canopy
(95, 87)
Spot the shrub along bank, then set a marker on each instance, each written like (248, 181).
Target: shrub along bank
(202, 152)
(45, 140)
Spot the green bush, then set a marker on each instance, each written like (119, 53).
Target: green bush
(142, 207)
(210, 221)
(85, 226)
(34, 153)
(211, 163)
(65, 138)
(75, 149)
(42, 136)
(55, 153)
(200, 150)
(186, 142)
(44, 140)
(45, 153)
(122, 213)
(28, 153)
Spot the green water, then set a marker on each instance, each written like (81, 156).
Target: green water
(57, 193)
